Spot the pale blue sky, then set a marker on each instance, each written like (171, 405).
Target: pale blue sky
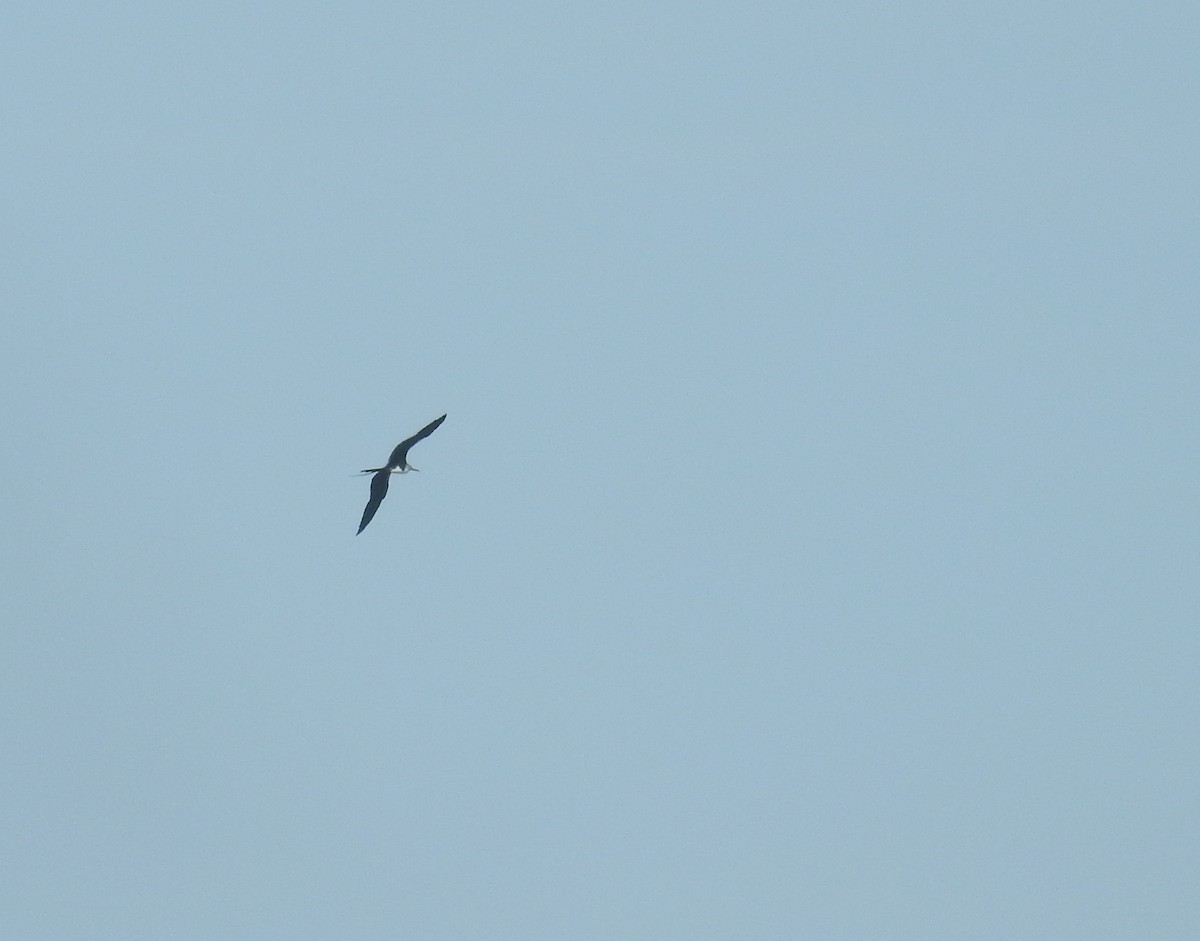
(811, 547)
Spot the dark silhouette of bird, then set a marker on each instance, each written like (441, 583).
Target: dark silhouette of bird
(396, 464)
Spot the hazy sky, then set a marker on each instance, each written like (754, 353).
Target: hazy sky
(811, 547)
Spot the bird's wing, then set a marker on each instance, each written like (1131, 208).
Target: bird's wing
(401, 453)
(379, 485)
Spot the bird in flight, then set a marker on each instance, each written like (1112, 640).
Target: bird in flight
(396, 464)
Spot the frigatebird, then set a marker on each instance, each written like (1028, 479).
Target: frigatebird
(396, 464)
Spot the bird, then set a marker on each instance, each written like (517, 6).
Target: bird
(397, 463)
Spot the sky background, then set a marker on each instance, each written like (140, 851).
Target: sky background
(811, 547)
